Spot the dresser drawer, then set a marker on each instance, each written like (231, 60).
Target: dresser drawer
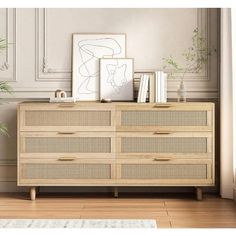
(164, 142)
(172, 172)
(168, 116)
(44, 143)
(66, 172)
(54, 117)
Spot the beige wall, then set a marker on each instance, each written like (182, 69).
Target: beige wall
(40, 57)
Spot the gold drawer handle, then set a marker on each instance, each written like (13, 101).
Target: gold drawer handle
(67, 105)
(66, 132)
(66, 159)
(162, 159)
(160, 132)
(162, 106)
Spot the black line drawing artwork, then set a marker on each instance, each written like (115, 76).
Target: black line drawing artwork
(90, 51)
(116, 75)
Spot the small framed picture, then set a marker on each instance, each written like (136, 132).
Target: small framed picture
(116, 79)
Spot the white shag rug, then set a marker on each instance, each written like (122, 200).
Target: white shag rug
(78, 223)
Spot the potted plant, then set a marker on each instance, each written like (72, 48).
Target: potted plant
(4, 87)
(195, 57)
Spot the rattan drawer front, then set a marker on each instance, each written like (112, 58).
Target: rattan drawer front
(163, 145)
(67, 145)
(164, 171)
(67, 118)
(163, 118)
(66, 171)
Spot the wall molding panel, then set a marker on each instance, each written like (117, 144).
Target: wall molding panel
(43, 66)
(8, 64)
(44, 71)
(206, 84)
(7, 162)
(202, 15)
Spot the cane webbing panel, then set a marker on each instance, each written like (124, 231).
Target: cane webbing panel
(67, 118)
(164, 118)
(68, 145)
(163, 145)
(66, 171)
(165, 171)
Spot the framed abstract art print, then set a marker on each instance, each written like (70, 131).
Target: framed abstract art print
(116, 79)
(88, 49)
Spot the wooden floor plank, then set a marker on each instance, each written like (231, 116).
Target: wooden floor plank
(199, 218)
(128, 209)
(202, 213)
(124, 215)
(163, 224)
(168, 212)
(194, 224)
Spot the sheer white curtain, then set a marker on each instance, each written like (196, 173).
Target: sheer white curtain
(233, 28)
(226, 105)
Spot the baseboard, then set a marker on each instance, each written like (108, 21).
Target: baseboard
(11, 187)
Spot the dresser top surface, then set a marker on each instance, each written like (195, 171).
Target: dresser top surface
(115, 103)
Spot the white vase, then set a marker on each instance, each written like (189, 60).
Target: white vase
(181, 92)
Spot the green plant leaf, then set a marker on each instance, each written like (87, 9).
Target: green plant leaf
(3, 44)
(171, 62)
(5, 87)
(195, 57)
(4, 129)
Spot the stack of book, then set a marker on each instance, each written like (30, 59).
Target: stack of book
(155, 85)
(62, 100)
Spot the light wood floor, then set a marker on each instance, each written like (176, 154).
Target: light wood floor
(168, 210)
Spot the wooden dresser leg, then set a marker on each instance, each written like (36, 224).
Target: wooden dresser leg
(115, 191)
(199, 193)
(33, 193)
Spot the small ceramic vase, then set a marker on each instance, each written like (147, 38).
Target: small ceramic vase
(181, 92)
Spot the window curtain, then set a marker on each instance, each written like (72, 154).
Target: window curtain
(227, 85)
(233, 28)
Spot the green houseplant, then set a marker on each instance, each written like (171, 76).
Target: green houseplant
(194, 57)
(4, 87)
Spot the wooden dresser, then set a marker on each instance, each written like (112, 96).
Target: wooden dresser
(115, 144)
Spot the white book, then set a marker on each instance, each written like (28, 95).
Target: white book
(145, 88)
(158, 87)
(151, 87)
(164, 81)
(163, 87)
(140, 89)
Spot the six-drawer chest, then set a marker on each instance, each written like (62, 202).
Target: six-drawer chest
(115, 144)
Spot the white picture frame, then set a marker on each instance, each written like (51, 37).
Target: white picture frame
(116, 79)
(87, 50)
